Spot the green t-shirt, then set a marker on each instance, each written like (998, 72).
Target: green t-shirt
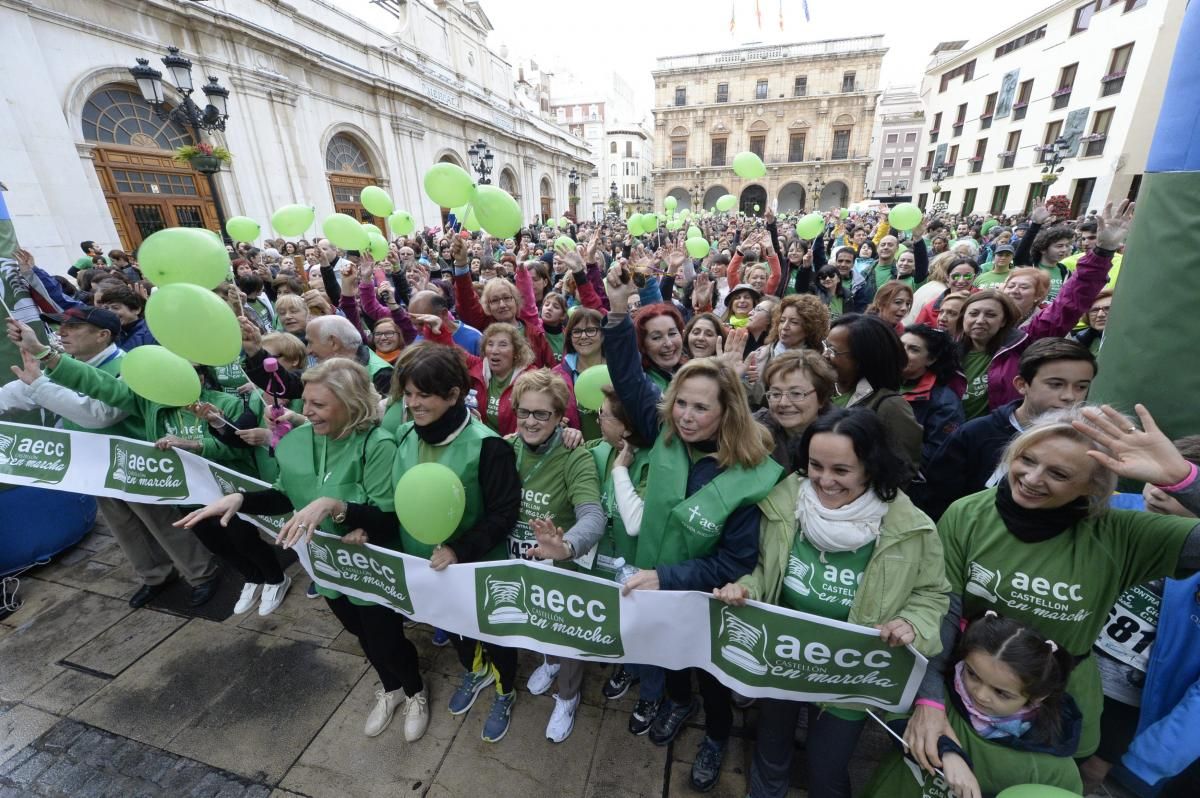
(495, 390)
(1056, 279)
(552, 485)
(85, 262)
(991, 278)
(556, 343)
(1063, 586)
(589, 424)
(835, 306)
(975, 399)
(230, 376)
(823, 583)
(883, 273)
(841, 400)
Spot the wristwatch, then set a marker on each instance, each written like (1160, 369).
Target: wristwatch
(570, 549)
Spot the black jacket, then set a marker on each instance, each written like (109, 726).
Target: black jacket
(965, 462)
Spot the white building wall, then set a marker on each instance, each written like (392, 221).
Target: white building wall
(1152, 27)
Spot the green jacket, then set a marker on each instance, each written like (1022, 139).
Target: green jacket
(905, 577)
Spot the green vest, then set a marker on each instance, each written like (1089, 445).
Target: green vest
(461, 456)
(677, 527)
(394, 418)
(375, 363)
(616, 542)
(111, 367)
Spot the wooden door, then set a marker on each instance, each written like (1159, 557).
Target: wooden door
(146, 192)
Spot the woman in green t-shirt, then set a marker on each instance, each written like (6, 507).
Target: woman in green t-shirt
(987, 320)
(840, 540)
(1044, 548)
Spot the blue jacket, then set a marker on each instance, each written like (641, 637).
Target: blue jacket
(939, 411)
(1168, 734)
(965, 462)
(135, 335)
(737, 549)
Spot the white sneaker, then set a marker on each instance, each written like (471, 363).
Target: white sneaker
(416, 715)
(246, 600)
(273, 595)
(381, 713)
(541, 679)
(562, 719)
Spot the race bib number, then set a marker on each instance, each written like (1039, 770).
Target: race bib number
(1131, 627)
(520, 541)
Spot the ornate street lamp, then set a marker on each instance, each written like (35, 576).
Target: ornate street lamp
(481, 161)
(1052, 156)
(939, 174)
(573, 190)
(188, 113)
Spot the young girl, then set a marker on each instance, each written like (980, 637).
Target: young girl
(1009, 708)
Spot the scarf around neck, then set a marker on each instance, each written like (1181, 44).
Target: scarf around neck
(848, 528)
(990, 727)
(1036, 526)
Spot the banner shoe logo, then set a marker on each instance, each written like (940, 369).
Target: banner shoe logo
(323, 560)
(743, 644)
(507, 599)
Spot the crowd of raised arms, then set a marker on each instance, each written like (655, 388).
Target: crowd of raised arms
(903, 415)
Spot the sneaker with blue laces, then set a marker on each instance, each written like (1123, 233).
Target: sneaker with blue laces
(707, 767)
(440, 637)
(472, 682)
(499, 718)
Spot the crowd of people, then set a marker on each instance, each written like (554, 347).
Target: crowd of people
(888, 428)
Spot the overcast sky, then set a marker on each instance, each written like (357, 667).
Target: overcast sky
(592, 36)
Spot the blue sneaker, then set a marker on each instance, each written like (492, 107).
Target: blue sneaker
(472, 682)
(440, 637)
(707, 767)
(498, 719)
(312, 591)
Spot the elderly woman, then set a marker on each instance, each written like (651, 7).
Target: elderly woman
(335, 472)
(583, 348)
(506, 355)
(799, 384)
(292, 315)
(1044, 548)
(1028, 288)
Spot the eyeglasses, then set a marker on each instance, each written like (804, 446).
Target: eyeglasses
(386, 334)
(503, 300)
(585, 332)
(1098, 311)
(540, 415)
(829, 350)
(793, 396)
(961, 278)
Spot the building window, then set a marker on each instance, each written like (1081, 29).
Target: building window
(1053, 131)
(114, 115)
(888, 163)
(1066, 82)
(969, 201)
(965, 71)
(977, 159)
(999, 199)
(906, 163)
(937, 126)
(893, 138)
(848, 81)
(910, 138)
(1101, 121)
(760, 90)
(1132, 4)
(722, 92)
(841, 145)
(612, 147)
(1083, 17)
(1021, 41)
(612, 170)
(629, 149)
(680, 95)
(796, 147)
(800, 87)
(1118, 64)
(989, 108)
(758, 146)
(1009, 156)
(1021, 106)
(951, 159)
(679, 154)
(960, 119)
(921, 200)
(718, 152)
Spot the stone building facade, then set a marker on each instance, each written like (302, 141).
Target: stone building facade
(807, 109)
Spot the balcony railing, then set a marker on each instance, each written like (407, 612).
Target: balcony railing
(1019, 110)
(771, 159)
(958, 128)
(933, 136)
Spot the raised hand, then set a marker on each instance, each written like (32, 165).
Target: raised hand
(1145, 455)
(30, 369)
(550, 545)
(1113, 228)
(251, 337)
(1040, 213)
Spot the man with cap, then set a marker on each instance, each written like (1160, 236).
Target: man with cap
(143, 531)
(1002, 259)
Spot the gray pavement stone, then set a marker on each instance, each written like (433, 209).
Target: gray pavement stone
(67, 690)
(126, 641)
(38, 595)
(64, 733)
(20, 726)
(29, 770)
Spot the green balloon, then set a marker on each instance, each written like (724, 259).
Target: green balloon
(694, 232)
(748, 166)
(1036, 791)
(685, 213)
(292, 220)
(159, 375)
(756, 209)
(471, 223)
(497, 211)
(697, 247)
(674, 225)
(634, 224)
(377, 245)
(588, 387)
(649, 224)
(845, 214)
(987, 226)
(194, 323)
(372, 228)
(905, 216)
(448, 185)
(401, 223)
(670, 203)
(810, 226)
(345, 231)
(726, 202)
(242, 228)
(184, 255)
(564, 242)
(430, 501)
(377, 201)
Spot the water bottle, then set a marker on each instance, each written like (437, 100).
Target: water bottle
(473, 401)
(624, 570)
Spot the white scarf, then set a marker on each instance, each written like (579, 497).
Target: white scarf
(848, 528)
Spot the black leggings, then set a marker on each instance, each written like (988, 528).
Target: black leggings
(504, 659)
(718, 713)
(380, 632)
(830, 745)
(241, 545)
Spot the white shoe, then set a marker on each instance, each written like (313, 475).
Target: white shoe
(541, 679)
(416, 715)
(381, 713)
(273, 595)
(562, 719)
(246, 600)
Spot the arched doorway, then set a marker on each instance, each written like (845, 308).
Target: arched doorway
(349, 171)
(508, 182)
(683, 196)
(751, 196)
(791, 198)
(547, 195)
(144, 188)
(712, 195)
(835, 194)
